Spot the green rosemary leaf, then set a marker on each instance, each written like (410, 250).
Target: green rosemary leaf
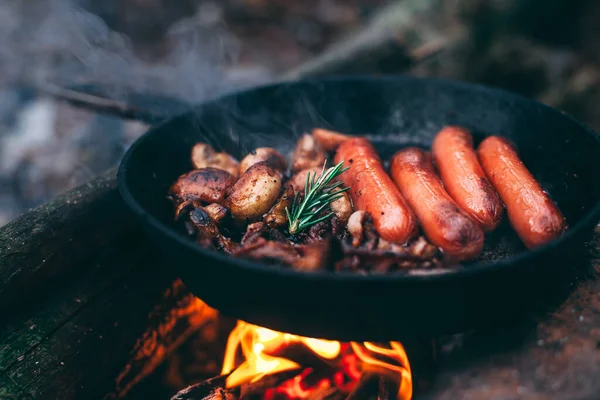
(318, 195)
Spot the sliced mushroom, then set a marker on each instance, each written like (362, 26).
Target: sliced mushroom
(216, 212)
(277, 217)
(203, 156)
(207, 185)
(254, 193)
(208, 233)
(362, 231)
(308, 154)
(329, 140)
(267, 154)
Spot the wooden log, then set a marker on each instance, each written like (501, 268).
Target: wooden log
(44, 245)
(75, 345)
(28, 328)
(171, 323)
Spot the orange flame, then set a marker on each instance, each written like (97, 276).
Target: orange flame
(258, 344)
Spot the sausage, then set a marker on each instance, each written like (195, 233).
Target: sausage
(531, 212)
(329, 140)
(464, 178)
(442, 221)
(372, 190)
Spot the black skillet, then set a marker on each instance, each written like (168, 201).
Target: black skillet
(508, 281)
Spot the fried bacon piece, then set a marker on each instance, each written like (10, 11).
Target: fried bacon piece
(254, 232)
(203, 156)
(277, 217)
(266, 154)
(308, 154)
(308, 257)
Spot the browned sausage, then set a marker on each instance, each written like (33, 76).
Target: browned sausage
(442, 221)
(531, 212)
(464, 178)
(372, 190)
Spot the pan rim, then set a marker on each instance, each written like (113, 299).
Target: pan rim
(590, 218)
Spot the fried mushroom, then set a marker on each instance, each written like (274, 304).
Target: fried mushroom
(329, 140)
(208, 234)
(298, 181)
(254, 193)
(266, 154)
(277, 217)
(203, 156)
(216, 212)
(362, 231)
(207, 185)
(308, 154)
(342, 207)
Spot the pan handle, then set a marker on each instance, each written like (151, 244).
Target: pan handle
(144, 107)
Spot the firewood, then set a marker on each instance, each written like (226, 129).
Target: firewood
(366, 386)
(330, 393)
(249, 389)
(212, 389)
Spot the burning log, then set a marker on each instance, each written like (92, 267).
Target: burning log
(327, 394)
(250, 389)
(212, 389)
(366, 386)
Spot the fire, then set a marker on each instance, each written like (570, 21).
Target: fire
(266, 352)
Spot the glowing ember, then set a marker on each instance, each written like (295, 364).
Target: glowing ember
(265, 352)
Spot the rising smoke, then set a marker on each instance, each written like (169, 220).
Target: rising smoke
(47, 147)
(58, 41)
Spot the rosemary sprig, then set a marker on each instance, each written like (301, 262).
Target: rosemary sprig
(318, 195)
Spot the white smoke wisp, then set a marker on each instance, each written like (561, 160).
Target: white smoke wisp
(48, 147)
(53, 41)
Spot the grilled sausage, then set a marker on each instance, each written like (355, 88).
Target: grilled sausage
(464, 178)
(372, 190)
(531, 212)
(442, 221)
(329, 140)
